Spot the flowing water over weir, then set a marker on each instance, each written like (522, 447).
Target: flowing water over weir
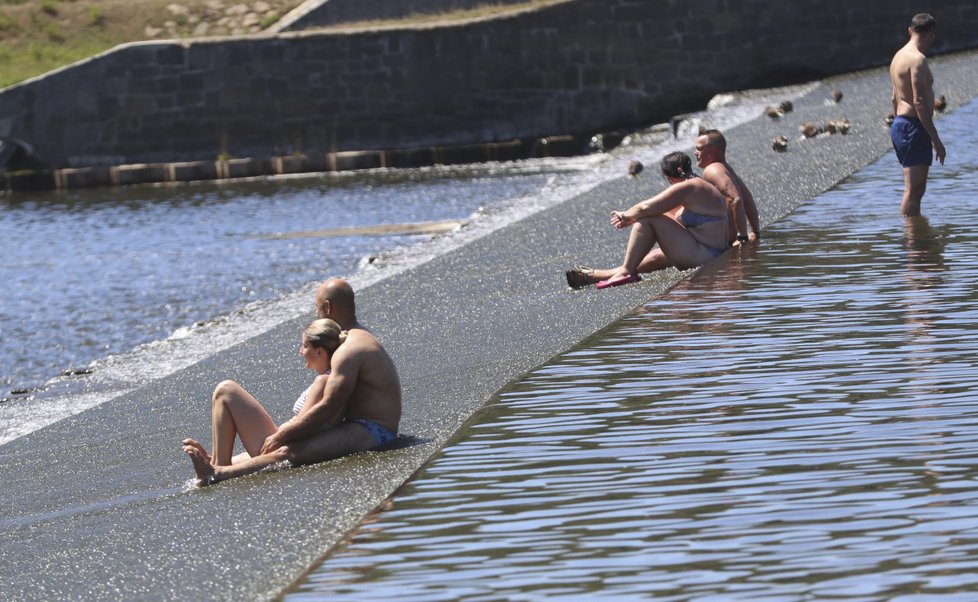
(795, 422)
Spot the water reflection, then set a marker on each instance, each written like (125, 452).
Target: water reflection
(924, 246)
(794, 423)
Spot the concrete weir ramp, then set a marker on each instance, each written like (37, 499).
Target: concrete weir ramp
(97, 506)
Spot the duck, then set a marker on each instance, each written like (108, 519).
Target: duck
(786, 106)
(940, 104)
(809, 130)
(774, 112)
(837, 126)
(676, 122)
(779, 144)
(836, 96)
(635, 167)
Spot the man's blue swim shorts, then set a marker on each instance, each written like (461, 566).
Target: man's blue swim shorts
(911, 142)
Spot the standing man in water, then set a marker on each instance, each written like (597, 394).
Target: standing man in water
(711, 157)
(914, 135)
(359, 409)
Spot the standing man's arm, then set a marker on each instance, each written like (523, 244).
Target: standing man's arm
(922, 82)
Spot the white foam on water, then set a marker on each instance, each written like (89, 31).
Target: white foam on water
(120, 374)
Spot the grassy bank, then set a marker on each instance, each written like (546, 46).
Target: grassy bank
(37, 36)
(40, 35)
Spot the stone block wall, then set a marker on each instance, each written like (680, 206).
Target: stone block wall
(574, 67)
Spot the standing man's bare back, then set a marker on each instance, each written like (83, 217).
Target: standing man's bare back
(913, 132)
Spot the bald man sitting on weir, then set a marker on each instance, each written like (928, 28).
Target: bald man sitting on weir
(357, 409)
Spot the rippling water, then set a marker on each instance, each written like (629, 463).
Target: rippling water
(796, 422)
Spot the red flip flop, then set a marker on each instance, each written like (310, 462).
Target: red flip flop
(627, 279)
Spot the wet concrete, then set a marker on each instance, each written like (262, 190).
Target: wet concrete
(95, 505)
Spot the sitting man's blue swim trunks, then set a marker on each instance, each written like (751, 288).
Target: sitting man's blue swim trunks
(911, 142)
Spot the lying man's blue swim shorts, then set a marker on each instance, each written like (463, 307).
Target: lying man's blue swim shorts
(911, 142)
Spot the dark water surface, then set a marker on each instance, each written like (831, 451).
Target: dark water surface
(798, 421)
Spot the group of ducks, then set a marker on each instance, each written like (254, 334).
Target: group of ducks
(808, 129)
(833, 126)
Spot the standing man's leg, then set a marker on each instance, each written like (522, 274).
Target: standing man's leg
(915, 184)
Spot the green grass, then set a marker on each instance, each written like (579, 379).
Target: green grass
(37, 36)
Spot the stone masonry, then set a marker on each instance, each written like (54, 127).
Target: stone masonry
(573, 67)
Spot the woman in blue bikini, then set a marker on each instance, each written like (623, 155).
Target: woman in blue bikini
(688, 222)
(236, 413)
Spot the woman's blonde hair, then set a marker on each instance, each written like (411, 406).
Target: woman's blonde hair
(325, 334)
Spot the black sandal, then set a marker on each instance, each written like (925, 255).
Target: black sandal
(579, 277)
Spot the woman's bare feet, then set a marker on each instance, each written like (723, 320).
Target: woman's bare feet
(619, 277)
(199, 446)
(202, 462)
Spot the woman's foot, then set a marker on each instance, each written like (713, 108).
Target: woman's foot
(201, 461)
(579, 277)
(196, 444)
(619, 278)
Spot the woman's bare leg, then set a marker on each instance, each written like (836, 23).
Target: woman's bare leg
(677, 247)
(641, 239)
(341, 440)
(655, 260)
(640, 242)
(208, 473)
(237, 412)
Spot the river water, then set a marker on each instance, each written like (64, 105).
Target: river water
(105, 290)
(795, 422)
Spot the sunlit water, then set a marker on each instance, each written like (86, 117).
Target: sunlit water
(129, 285)
(799, 423)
